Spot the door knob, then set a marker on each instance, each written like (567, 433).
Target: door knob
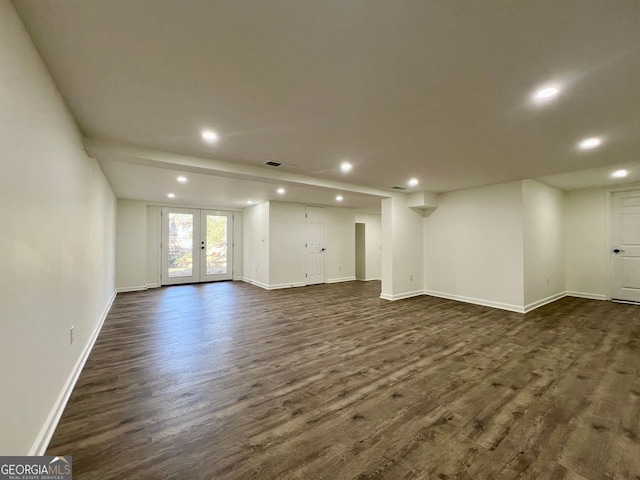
(323, 250)
(617, 250)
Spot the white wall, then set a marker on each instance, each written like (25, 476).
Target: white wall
(153, 246)
(373, 245)
(255, 241)
(238, 225)
(402, 249)
(361, 250)
(131, 245)
(473, 246)
(287, 229)
(386, 251)
(57, 240)
(543, 230)
(340, 242)
(586, 242)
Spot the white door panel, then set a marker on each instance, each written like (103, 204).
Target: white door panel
(315, 250)
(625, 241)
(216, 246)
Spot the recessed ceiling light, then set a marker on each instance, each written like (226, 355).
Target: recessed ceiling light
(339, 198)
(346, 167)
(413, 182)
(280, 191)
(589, 143)
(249, 202)
(182, 179)
(171, 195)
(546, 93)
(210, 136)
(620, 173)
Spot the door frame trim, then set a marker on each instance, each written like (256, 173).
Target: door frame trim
(231, 225)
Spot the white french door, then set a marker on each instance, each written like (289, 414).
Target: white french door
(315, 249)
(625, 246)
(197, 245)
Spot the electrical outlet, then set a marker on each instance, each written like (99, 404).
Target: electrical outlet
(71, 335)
(547, 281)
(340, 267)
(411, 277)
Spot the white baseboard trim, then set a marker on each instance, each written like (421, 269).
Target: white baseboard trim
(131, 289)
(279, 286)
(255, 282)
(477, 301)
(544, 301)
(400, 296)
(41, 443)
(285, 285)
(589, 296)
(271, 287)
(343, 279)
(140, 288)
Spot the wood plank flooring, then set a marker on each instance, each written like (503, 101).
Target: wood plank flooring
(229, 381)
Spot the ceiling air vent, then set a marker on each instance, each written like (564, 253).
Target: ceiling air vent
(398, 188)
(273, 164)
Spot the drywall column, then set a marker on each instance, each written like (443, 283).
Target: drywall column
(255, 241)
(340, 228)
(585, 238)
(544, 261)
(361, 252)
(373, 244)
(131, 246)
(287, 228)
(402, 249)
(153, 246)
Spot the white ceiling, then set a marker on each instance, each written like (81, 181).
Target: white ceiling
(138, 173)
(438, 90)
(595, 177)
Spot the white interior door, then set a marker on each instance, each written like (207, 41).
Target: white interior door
(625, 246)
(315, 249)
(197, 245)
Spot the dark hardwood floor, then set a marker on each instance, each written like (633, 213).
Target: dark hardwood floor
(229, 381)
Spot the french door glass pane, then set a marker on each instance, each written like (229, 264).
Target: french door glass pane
(216, 244)
(180, 244)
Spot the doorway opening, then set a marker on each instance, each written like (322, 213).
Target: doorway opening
(196, 246)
